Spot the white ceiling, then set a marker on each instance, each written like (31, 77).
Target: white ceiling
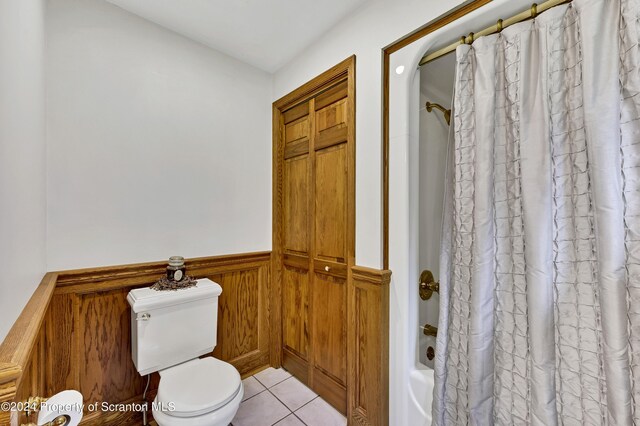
(263, 33)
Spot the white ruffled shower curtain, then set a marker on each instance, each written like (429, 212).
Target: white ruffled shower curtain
(540, 268)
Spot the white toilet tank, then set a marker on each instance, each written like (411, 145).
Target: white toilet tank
(173, 326)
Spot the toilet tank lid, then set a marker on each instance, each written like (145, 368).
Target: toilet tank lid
(146, 299)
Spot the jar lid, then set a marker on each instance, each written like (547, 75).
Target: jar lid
(176, 261)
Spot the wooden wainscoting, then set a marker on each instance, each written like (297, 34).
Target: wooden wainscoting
(23, 353)
(75, 334)
(368, 389)
(79, 336)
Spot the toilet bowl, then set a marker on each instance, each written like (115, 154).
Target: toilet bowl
(170, 331)
(201, 392)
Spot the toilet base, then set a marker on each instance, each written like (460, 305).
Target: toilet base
(220, 417)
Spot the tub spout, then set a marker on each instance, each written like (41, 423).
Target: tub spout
(430, 330)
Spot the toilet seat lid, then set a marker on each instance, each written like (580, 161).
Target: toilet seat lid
(197, 387)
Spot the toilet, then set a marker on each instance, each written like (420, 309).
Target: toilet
(170, 331)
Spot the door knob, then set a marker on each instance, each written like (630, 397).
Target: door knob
(428, 285)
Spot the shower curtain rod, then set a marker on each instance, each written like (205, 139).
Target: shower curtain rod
(530, 13)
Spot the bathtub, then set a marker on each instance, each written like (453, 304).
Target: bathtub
(420, 395)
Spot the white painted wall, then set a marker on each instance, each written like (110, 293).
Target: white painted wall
(157, 145)
(364, 33)
(22, 155)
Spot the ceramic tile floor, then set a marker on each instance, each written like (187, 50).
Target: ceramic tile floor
(274, 397)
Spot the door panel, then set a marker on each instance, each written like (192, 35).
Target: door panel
(331, 204)
(331, 124)
(296, 112)
(296, 205)
(296, 240)
(295, 311)
(240, 306)
(297, 130)
(332, 116)
(108, 338)
(333, 94)
(330, 326)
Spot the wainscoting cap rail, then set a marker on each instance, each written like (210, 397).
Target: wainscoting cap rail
(16, 348)
(109, 273)
(9, 372)
(371, 275)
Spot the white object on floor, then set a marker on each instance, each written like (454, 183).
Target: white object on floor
(65, 403)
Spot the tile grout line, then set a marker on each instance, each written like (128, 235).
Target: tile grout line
(264, 386)
(290, 411)
(299, 408)
(279, 420)
(253, 396)
(297, 417)
(281, 402)
(317, 396)
(304, 405)
(277, 383)
(267, 390)
(301, 421)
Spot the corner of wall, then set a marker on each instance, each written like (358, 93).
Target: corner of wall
(22, 155)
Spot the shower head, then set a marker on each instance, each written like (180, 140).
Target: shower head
(446, 112)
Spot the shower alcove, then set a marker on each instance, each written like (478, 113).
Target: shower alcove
(436, 87)
(417, 157)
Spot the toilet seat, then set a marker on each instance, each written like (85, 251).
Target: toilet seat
(197, 387)
(220, 417)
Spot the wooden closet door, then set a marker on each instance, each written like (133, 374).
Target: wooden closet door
(314, 229)
(330, 250)
(297, 212)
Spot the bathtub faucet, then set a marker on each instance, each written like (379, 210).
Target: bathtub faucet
(428, 285)
(430, 330)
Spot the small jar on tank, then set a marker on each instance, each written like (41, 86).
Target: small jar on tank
(176, 269)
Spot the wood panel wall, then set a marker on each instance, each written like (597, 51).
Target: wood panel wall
(23, 352)
(74, 334)
(83, 341)
(369, 347)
